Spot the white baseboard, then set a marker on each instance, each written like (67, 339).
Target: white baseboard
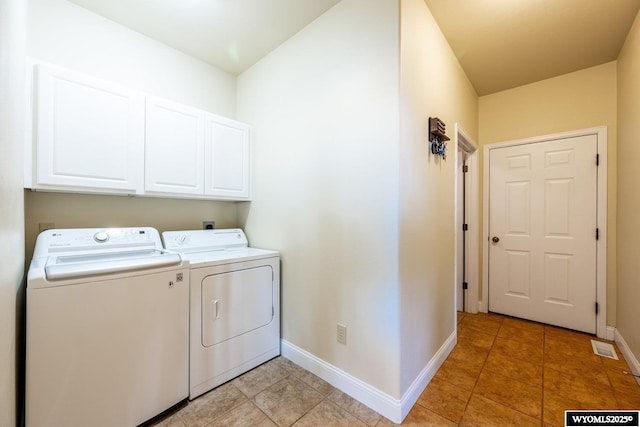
(610, 333)
(424, 378)
(630, 358)
(482, 307)
(386, 405)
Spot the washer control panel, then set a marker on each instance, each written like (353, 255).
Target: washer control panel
(82, 239)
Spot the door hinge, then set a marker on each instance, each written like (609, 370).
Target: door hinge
(597, 308)
(465, 285)
(597, 234)
(465, 227)
(465, 168)
(597, 159)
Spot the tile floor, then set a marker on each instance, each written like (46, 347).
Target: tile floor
(504, 371)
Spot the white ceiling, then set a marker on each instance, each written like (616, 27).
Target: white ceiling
(501, 44)
(229, 34)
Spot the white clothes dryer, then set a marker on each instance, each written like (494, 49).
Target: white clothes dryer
(235, 304)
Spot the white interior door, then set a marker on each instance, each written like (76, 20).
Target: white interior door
(542, 226)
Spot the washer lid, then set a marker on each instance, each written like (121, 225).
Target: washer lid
(77, 253)
(77, 266)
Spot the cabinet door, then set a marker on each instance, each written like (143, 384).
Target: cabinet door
(89, 134)
(174, 148)
(227, 159)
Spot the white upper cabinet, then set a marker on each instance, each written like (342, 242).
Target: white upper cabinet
(88, 134)
(174, 148)
(190, 152)
(227, 159)
(92, 136)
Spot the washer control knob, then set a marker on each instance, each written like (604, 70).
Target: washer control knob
(101, 236)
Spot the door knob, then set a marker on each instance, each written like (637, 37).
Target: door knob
(495, 239)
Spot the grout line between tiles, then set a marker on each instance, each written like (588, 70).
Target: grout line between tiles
(473, 390)
(541, 419)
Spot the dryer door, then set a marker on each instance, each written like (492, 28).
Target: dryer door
(235, 303)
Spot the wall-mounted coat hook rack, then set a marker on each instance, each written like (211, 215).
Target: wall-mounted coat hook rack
(438, 137)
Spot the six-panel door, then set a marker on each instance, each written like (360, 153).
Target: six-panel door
(542, 253)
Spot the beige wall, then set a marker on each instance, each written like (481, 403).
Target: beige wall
(432, 84)
(64, 34)
(346, 188)
(628, 315)
(12, 48)
(324, 111)
(87, 211)
(579, 100)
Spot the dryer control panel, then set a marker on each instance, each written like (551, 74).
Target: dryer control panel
(205, 240)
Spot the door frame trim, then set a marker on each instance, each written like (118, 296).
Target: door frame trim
(601, 217)
(464, 141)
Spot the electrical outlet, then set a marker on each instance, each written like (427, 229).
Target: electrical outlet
(43, 226)
(342, 334)
(208, 225)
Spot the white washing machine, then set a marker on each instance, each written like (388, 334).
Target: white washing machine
(235, 304)
(107, 328)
